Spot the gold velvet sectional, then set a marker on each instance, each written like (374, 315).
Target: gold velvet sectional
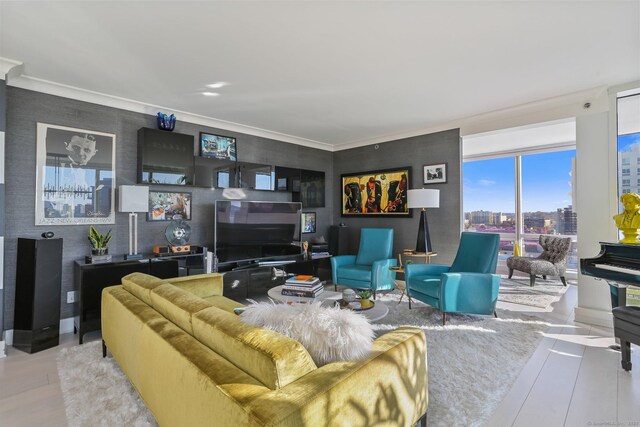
(195, 363)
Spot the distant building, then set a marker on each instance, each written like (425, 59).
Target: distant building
(629, 170)
(567, 222)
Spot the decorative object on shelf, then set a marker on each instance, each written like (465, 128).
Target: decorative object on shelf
(435, 174)
(166, 122)
(218, 147)
(349, 295)
(166, 206)
(178, 233)
(376, 193)
(628, 222)
(75, 173)
(308, 222)
(99, 245)
(423, 198)
(133, 199)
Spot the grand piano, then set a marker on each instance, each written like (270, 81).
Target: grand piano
(619, 265)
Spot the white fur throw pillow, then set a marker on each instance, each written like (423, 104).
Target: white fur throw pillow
(328, 333)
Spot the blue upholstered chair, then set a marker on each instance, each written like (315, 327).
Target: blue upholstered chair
(370, 268)
(469, 285)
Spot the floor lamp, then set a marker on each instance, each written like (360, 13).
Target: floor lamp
(133, 199)
(423, 198)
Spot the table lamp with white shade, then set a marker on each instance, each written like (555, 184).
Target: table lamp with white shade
(423, 198)
(133, 199)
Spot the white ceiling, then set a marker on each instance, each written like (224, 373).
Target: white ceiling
(335, 72)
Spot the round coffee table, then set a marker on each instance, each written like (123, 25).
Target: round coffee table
(328, 298)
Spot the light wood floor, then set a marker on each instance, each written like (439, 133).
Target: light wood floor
(572, 379)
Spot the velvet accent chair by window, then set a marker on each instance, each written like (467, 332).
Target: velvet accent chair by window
(469, 285)
(370, 268)
(551, 262)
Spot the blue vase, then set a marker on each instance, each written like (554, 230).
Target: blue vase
(166, 122)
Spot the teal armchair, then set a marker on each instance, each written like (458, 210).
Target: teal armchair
(370, 268)
(469, 285)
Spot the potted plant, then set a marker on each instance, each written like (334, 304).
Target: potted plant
(99, 241)
(364, 295)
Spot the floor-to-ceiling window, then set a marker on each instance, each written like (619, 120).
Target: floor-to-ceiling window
(522, 192)
(628, 109)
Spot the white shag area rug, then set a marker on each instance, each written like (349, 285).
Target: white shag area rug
(544, 293)
(472, 363)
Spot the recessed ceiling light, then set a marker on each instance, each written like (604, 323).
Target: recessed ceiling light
(210, 94)
(217, 85)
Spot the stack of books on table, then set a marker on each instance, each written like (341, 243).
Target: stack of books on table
(302, 286)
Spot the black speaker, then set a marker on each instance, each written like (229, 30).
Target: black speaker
(338, 240)
(37, 305)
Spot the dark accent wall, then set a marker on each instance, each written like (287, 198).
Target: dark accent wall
(3, 125)
(25, 108)
(444, 222)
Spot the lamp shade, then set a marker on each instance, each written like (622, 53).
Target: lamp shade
(133, 198)
(423, 198)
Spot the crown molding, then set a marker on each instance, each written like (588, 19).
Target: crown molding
(545, 110)
(52, 88)
(6, 65)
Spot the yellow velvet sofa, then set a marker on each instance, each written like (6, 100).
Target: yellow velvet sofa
(195, 363)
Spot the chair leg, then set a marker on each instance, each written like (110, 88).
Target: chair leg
(625, 347)
(510, 272)
(444, 318)
(532, 279)
(564, 281)
(495, 314)
(104, 349)
(422, 422)
(374, 295)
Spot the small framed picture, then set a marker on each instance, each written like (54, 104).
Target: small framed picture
(308, 222)
(282, 184)
(435, 174)
(165, 206)
(218, 147)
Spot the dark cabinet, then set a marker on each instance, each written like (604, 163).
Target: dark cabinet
(37, 304)
(338, 240)
(91, 279)
(165, 157)
(305, 186)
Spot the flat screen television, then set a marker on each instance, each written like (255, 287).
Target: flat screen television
(254, 231)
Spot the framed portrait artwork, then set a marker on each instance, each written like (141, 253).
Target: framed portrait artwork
(165, 206)
(218, 147)
(308, 222)
(435, 174)
(376, 193)
(75, 176)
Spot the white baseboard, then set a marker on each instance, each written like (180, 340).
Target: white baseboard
(66, 326)
(2, 352)
(594, 317)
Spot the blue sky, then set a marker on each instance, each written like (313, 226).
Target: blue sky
(624, 141)
(546, 183)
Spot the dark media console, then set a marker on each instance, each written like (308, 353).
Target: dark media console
(255, 278)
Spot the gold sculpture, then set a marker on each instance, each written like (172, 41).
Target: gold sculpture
(629, 221)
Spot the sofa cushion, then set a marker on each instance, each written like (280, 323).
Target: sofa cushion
(328, 333)
(201, 285)
(140, 285)
(273, 359)
(177, 305)
(223, 303)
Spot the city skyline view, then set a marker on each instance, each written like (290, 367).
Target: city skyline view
(546, 183)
